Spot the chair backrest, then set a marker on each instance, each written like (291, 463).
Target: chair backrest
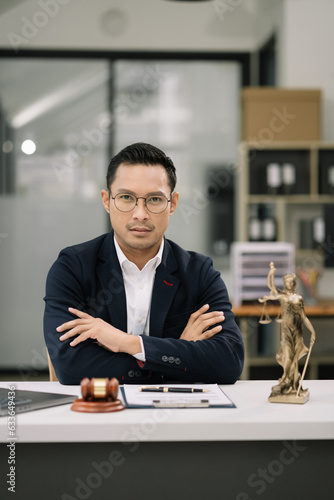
(52, 373)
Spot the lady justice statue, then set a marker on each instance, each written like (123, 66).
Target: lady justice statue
(292, 348)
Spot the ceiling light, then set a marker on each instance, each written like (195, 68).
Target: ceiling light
(28, 147)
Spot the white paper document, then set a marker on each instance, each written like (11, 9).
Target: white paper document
(212, 396)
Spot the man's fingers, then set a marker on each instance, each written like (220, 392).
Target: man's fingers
(71, 324)
(77, 330)
(213, 331)
(78, 313)
(199, 312)
(209, 319)
(80, 338)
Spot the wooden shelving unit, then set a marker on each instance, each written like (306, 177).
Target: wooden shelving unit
(311, 160)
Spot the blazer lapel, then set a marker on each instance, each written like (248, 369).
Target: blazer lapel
(111, 279)
(164, 290)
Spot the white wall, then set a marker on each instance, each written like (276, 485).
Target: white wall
(306, 43)
(219, 25)
(306, 52)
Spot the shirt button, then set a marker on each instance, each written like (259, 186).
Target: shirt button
(140, 320)
(140, 286)
(164, 358)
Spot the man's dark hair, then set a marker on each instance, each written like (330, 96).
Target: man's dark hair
(141, 153)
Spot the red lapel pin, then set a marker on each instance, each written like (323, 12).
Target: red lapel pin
(169, 284)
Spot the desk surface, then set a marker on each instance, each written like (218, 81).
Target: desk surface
(324, 308)
(253, 419)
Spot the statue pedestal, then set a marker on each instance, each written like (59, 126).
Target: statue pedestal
(291, 398)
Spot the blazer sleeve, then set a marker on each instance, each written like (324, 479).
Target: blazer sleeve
(216, 360)
(67, 285)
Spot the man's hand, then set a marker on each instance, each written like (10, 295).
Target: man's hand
(88, 327)
(200, 321)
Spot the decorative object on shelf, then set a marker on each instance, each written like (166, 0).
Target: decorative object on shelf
(289, 178)
(292, 348)
(309, 280)
(262, 224)
(99, 395)
(255, 228)
(318, 230)
(269, 228)
(330, 180)
(274, 178)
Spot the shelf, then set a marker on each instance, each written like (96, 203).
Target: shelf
(288, 145)
(271, 360)
(290, 199)
(324, 308)
(293, 212)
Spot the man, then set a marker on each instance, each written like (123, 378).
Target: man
(133, 305)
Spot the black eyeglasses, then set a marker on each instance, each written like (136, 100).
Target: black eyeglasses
(125, 202)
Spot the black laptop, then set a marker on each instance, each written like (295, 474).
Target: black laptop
(30, 400)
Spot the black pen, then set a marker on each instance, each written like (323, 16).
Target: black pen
(171, 389)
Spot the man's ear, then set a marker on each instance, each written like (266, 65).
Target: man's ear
(174, 202)
(106, 199)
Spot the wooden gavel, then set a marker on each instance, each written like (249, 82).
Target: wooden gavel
(99, 395)
(99, 389)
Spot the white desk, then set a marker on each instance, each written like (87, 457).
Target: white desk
(253, 419)
(206, 451)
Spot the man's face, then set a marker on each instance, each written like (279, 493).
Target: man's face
(139, 229)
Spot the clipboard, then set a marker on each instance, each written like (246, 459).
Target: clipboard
(214, 397)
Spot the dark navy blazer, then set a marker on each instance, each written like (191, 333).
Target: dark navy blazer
(88, 277)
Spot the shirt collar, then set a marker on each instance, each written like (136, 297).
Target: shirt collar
(155, 260)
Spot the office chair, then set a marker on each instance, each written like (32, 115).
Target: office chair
(52, 373)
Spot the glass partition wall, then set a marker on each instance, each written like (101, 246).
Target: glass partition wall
(60, 121)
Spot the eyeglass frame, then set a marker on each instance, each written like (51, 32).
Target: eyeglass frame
(140, 198)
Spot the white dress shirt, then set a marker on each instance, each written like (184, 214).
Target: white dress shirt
(138, 286)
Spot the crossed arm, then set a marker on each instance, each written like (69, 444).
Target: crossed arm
(205, 346)
(87, 327)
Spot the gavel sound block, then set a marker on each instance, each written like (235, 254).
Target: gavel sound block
(99, 395)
